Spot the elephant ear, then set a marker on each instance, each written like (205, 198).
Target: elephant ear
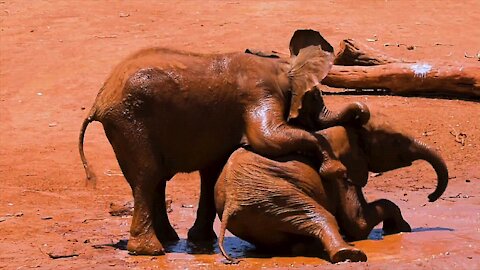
(308, 69)
(303, 38)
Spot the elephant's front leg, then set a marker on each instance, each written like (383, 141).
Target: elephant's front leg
(202, 230)
(391, 215)
(358, 218)
(356, 113)
(270, 135)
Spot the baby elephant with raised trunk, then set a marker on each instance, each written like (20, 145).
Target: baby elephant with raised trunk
(166, 111)
(276, 203)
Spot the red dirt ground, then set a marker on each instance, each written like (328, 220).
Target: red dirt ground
(55, 55)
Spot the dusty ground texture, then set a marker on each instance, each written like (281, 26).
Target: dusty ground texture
(55, 55)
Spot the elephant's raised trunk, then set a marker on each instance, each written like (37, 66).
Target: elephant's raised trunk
(422, 151)
(354, 113)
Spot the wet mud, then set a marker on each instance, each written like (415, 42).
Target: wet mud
(54, 58)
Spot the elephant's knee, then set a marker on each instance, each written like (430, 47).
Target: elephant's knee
(333, 169)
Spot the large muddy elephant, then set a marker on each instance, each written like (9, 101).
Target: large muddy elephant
(166, 111)
(274, 203)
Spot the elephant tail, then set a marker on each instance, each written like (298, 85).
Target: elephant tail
(91, 177)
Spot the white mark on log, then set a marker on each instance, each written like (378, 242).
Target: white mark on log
(421, 69)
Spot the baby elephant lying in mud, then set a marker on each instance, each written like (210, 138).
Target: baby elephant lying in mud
(277, 203)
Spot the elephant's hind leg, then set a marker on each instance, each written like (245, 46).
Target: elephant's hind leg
(138, 162)
(163, 229)
(305, 217)
(202, 230)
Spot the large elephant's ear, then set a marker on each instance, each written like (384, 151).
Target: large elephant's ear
(308, 69)
(311, 60)
(303, 38)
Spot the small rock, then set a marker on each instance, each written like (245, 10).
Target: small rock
(82, 108)
(118, 210)
(468, 181)
(2, 219)
(53, 124)
(187, 206)
(469, 257)
(19, 214)
(39, 94)
(46, 218)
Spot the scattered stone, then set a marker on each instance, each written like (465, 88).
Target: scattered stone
(46, 218)
(118, 210)
(61, 256)
(113, 173)
(19, 214)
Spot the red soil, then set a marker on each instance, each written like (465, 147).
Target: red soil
(55, 56)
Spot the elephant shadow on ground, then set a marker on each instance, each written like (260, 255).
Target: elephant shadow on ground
(240, 249)
(377, 234)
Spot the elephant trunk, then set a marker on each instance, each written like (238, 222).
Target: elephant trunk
(423, 152)
(354, 113)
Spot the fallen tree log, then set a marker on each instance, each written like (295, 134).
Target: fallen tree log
(406, 79)
(359, 66)
(352, 53)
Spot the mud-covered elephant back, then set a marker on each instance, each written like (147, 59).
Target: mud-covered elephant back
(311, 60)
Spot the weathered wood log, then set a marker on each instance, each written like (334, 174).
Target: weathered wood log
(359, 66)
(352, 53)
(404, 78)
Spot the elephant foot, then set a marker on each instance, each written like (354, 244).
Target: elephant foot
(348, 254)
(147, 244)
(391, 227)
(201, 234)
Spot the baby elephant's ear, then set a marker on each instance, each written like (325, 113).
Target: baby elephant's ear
(303, 38)
(308, 69)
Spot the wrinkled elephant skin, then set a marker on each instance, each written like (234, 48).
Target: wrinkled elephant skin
(166, 111)
(274, 203)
